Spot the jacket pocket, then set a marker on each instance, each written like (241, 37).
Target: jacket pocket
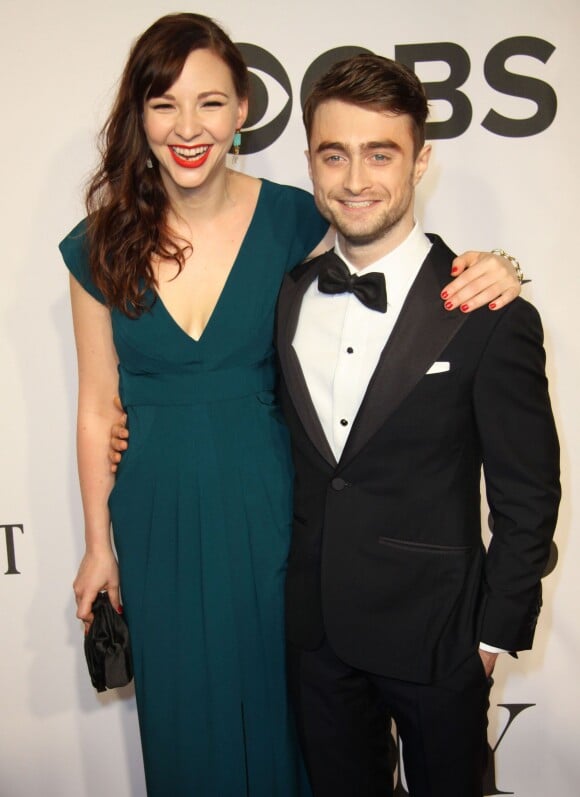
(424, 546)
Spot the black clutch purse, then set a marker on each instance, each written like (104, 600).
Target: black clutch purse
(107, 647)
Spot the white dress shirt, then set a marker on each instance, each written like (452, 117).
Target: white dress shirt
(339, 341)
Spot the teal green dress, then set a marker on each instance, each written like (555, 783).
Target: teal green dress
(201, 512)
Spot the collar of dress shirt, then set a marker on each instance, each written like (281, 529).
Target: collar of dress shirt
(401, 265)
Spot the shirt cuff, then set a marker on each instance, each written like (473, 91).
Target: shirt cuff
(491, 648)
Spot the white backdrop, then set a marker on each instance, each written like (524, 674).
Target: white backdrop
(58, 65)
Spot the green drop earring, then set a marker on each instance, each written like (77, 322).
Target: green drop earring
(237, 143)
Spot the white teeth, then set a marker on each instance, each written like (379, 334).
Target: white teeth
(189, 153)
(357, 204)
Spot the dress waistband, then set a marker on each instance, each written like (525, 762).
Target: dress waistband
(187, 388)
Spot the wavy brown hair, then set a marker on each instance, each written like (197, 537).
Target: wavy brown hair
(126, 201)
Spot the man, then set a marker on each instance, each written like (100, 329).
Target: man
(394, 607)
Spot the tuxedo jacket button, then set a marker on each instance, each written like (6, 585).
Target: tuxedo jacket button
(338, 484)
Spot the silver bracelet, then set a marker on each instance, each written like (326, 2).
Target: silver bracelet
(513, 260)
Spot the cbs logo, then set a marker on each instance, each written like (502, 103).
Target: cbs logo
(266, 71)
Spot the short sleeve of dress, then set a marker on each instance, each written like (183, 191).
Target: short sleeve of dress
(74, 251)
(296, 213)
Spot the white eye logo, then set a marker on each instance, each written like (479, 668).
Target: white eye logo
(270, 99)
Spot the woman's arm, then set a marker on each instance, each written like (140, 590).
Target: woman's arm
(482, 278)
(98, 383)
(326, 244)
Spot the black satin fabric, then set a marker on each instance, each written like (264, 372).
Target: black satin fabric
(370, 289)
(107, 647)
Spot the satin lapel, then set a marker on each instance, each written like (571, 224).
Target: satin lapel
(423, 330)
(289, 304)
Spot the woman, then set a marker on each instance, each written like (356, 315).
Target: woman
(174, 280)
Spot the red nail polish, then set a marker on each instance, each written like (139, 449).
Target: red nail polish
(464, 308)
(492, 306)
(119, 610)
(448, 305)
(454, 270)
(444, 294)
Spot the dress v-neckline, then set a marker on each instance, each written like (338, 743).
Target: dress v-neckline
(159, 301)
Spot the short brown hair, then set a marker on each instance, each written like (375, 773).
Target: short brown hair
(373, 82)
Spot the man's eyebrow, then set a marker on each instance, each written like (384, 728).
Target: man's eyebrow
(334, 145)
(339, 146)
(386, 143)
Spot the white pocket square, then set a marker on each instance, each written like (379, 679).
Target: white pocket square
(439, 367)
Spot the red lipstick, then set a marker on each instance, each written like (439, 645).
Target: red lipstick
(193, 162)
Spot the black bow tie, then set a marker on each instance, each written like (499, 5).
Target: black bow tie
(370, 289)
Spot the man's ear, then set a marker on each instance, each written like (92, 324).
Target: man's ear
(421, 163)
(309, 162)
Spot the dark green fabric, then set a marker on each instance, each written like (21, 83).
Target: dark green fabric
(201, 514)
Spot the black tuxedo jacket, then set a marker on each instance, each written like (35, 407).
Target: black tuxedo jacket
(387, 558)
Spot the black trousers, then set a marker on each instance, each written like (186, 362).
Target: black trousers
(343, 723)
